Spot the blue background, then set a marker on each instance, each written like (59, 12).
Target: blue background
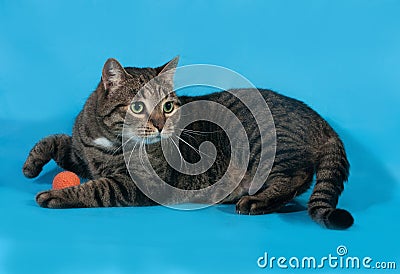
(341, 57)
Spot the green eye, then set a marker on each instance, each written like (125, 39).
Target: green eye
(137, 107)
(168, 107)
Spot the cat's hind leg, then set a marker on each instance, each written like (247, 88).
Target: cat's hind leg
(280, 190)
(57, 147)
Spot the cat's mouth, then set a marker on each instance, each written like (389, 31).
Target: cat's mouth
(151, 140)
(155, 137)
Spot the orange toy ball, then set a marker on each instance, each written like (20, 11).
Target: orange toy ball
(65, 179)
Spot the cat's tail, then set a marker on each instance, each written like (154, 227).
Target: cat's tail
(332, 170)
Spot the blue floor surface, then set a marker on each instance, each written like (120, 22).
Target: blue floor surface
(341, 57)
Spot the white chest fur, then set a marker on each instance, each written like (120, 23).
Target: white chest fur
(103, 142)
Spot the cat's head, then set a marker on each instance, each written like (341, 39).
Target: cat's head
(143, 111)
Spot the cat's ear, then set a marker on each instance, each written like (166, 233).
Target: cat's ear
(167, 71)
(113, 74)
(171, 65)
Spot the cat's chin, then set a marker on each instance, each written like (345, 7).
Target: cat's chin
(152, 140)
(155, 139)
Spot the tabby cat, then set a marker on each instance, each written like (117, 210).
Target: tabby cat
(305, 145)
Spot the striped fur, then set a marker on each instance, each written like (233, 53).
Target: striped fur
(306, 145)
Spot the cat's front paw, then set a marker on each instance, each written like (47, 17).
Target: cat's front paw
(246, 205)
(252, 205)
(30, 170)
(53, 199)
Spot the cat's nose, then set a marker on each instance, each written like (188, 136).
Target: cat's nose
(158, 123)
(159, 127)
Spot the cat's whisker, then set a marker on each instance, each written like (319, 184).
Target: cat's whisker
(123, 144)
(231, 137)
(197, 132)
(130, 155)
(188, 131)
(140, 152)
(143, 148)
(187, 134)
(119, 147)
(196, 150)
(180, 154)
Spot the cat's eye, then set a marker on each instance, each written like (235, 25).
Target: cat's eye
(137, 107)
(168, 107)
